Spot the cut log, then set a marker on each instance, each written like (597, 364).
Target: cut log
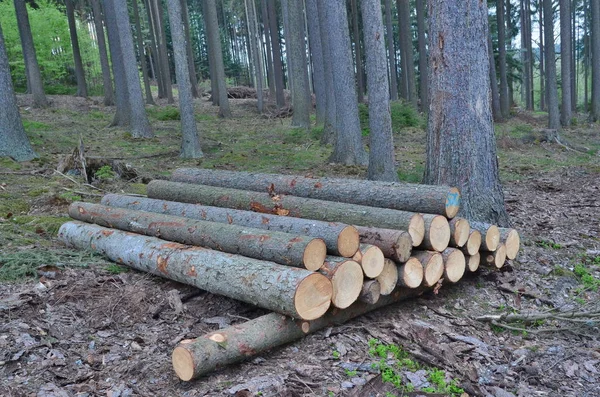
(459, 232)
(371, 259)
(430, 199)
(433, 266)
(495, 258)
(510, 238)
(473, 261)
(395, 244)
(410, 274)
(346, 277)
(193, 358)
(298, 207)
(371, 292)
(388, 277)
(286, 249)
(298, 293)
(490, 235)
(437, 233)
(341, 239)
(473, 243)
(454, 264)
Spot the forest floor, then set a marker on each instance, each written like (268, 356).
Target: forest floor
(73, 324)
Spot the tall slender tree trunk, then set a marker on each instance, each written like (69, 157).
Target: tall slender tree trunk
(360, 84)
(574, 74)
(329, 128)
(276, 46)
(381, 144)
(152, 25)
(141, 53)
(461, 147)
(530, 51)
(79, 71)
(288, 61)
(595, 22)
(188, 49)
(256, 53)
(504, 103)
(509, 29)
(527, 76)
(316, 52)
(542, 56)
(423, 74)
(586, 55)
(162, 49)
(391, 50)
(565, 62)
(212, 28)
(495, 95)
(551, 88)
(34, 77)
(406, 44)
(269, 50)
(106, 79)
(122, 104)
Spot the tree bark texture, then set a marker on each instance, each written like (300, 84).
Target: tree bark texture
(141, 53)
(298, 207)
(104, 65)
(395, 244)
(461, 147)
(391, 51)
(381, 143)
(370, 293)
(566, 110)
(360, 84)
(330, 126)
(79, 71)
(276, 46)
(265, 284)
(423, 74)
(212, 28)
(340, 239)
(551, 87)
(407, 49)
(316, 53)
(430, 199)
(504, 101)
(595, 46)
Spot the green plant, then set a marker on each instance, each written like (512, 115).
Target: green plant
(164, 114)
(70, 197)
(351, 374)
(104, 173)
(336, 354)
(587, 279)
(116, 269)
(548, 244)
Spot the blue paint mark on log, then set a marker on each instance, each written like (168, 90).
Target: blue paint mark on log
(453, 200)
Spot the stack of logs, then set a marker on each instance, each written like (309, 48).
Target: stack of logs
(293, 245)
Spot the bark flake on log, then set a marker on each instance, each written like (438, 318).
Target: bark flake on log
(395, 244)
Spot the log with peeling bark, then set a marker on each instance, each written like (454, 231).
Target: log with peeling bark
(510, 238)
(433, 266)
(490, 235)
(346, 278)
(296, 292)
(193, 358)
(286, 249)
(395, 244)
(371, 259)
(473, 261)
(341, 239)
(430, 199)
(298, 207)
(410, 273)
(454, 264)
(388, 277)
(473, 243)
(459, 232)
(494, 258)
(437, 233)
(371, 292)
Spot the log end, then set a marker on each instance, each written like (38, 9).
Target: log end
(454, 264)
(473, 261)
(348, 241)
(452, 202)
(416, 229)
(492, 238)
(372, 261)
(513, 243)
(500, 256)
(314, 254)
(183, 362)
(388, 277)
(412, 272)
(313, 296)
(474, 242)
(403, 247)
(433, 269)
(347, 284)
(460, 234)
(371, 292)
(439, 233)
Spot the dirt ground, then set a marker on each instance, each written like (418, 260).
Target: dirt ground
(76, 325)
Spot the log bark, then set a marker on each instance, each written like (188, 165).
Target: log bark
(510, 238)
(454, 264)
(193, 358)
(473, 243)
(442, 200)
(298, 207)
(370, 293)
(283, 248)
(395, 244)
(388, 277)
(346, 277)
(490, 235)
(433, 266)
(340, 239)
(410, 274)
(459, 232)
(295, 292)
(495, 258)
(437, 233)
(473, 261)
(371, 260)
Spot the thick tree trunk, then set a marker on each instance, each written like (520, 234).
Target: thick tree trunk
(298, 293)
(268, 48)
(407, 50)
(428, 199)
(276, 46)
(381, 143)
(454, 264)
(346, 278)
(283, 248)
(13, 140)
(391, 51)
(489, 235)
(495, 95)
(595, 47)
(371, 260)
(410, 274)
(316, 53)
(79, 71)
(370, 293)
(340, 239)
(256, 52)
(504, 102)
(433, 266)
(566, 110)
(423, 74)
(106, 79)
(190, 143)
(395, 244)
(34, 77)
(551, 87)
(298, 207)
(141, 53)
(193, 358)
(360, 85)
(348, 148)
(389, 277)
(329, 128)
(461, 147)
(212, 28)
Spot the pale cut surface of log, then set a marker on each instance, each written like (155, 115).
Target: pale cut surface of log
(433, 266)
(510, 238)
(283, 248)
(454, 264)
(440, 200)
(388, 277)
(298, 293)
(371, 259)
(410, 274)
(459, 231)
(495, 258)
(473, 243)
(298, 207)
(346, 278)
(437, 233)
(371, 292)
(395, 244)
(473, 261)
(341, 239)
(193, 358)
(490, 235)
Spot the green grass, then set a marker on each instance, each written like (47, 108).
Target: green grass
(403, 115)
(22, 265)
(166, 113)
